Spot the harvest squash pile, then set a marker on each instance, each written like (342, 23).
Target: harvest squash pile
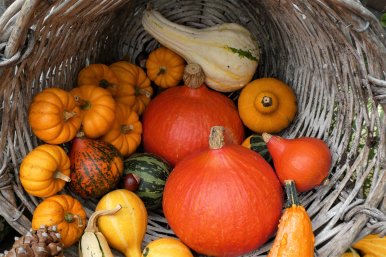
(164, 136)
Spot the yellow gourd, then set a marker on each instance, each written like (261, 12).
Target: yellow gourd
(166, 247)
(125, 230)
(267, 105)
(372, 245)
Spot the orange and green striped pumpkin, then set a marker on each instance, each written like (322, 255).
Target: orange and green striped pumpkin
(96, 167)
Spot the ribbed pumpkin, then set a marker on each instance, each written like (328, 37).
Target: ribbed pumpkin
(96, 167)
(45, 170)
(98, 74)
(177, 121)
(134, 86)
(63, 211)
(223, 201)
(126, 131)
(125, 230)
(54, 116)
(97, 107)
(165, 67)
(372, 245)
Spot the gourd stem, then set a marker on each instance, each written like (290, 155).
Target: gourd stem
(292, 194)
(125, 129)
(84, 104)
(68, 115)
(216, 137)
(70, 217)
(162, 70)
(141, 91)
(91, 225)
(193, 76)
(61, 176)
(266, 137)
(105, 84)
(266, 101)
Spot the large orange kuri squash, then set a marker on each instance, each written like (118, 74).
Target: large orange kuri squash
(177, 121)
(223, 201)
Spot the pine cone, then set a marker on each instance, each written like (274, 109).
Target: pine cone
(44, 242)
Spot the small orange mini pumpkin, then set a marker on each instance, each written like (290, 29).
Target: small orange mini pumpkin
(98, 74)
(62, 211)
(125, 133)
(45, 170)
(97, 107)
(165, 67)
(54, 116)
(134, 88)
(267, 105)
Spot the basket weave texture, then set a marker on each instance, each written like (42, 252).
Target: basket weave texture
(331, 52)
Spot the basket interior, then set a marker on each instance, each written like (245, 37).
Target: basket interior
(307, 44)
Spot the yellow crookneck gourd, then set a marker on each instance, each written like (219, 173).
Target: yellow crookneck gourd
(227, 53)
(93, 243)
(165, 247)
(267, 105)
(294, 236)
(125, 230)
(371, 245)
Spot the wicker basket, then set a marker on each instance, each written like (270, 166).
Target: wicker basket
(332, 52)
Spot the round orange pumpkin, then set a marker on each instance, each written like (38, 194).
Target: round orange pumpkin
(134, 86)
(165, 67)
(45, 170)
(54, 116)
(62, 211)
(125, 133)
(98, 74)
(267, 105)
(97, 107)
(223, 201)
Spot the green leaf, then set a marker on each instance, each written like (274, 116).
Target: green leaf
(383, 20)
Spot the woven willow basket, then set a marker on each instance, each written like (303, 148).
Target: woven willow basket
(332, 52)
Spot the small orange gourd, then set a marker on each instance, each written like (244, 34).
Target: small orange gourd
(294, 236)
(97, 107)
(165, 247)
(306, 160)
(134, 87)
(45, 170)
(98, 74)
(125, 133)
(267, 105)
(62, 211)
(54, 116)
(165, 67)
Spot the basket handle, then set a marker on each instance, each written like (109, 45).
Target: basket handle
(359, 10)
(18, 33)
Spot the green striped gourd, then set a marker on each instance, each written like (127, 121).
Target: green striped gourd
(153, 172)
(256, 143)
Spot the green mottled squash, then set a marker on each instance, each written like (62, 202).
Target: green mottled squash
(96, 167)
(153, 172)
